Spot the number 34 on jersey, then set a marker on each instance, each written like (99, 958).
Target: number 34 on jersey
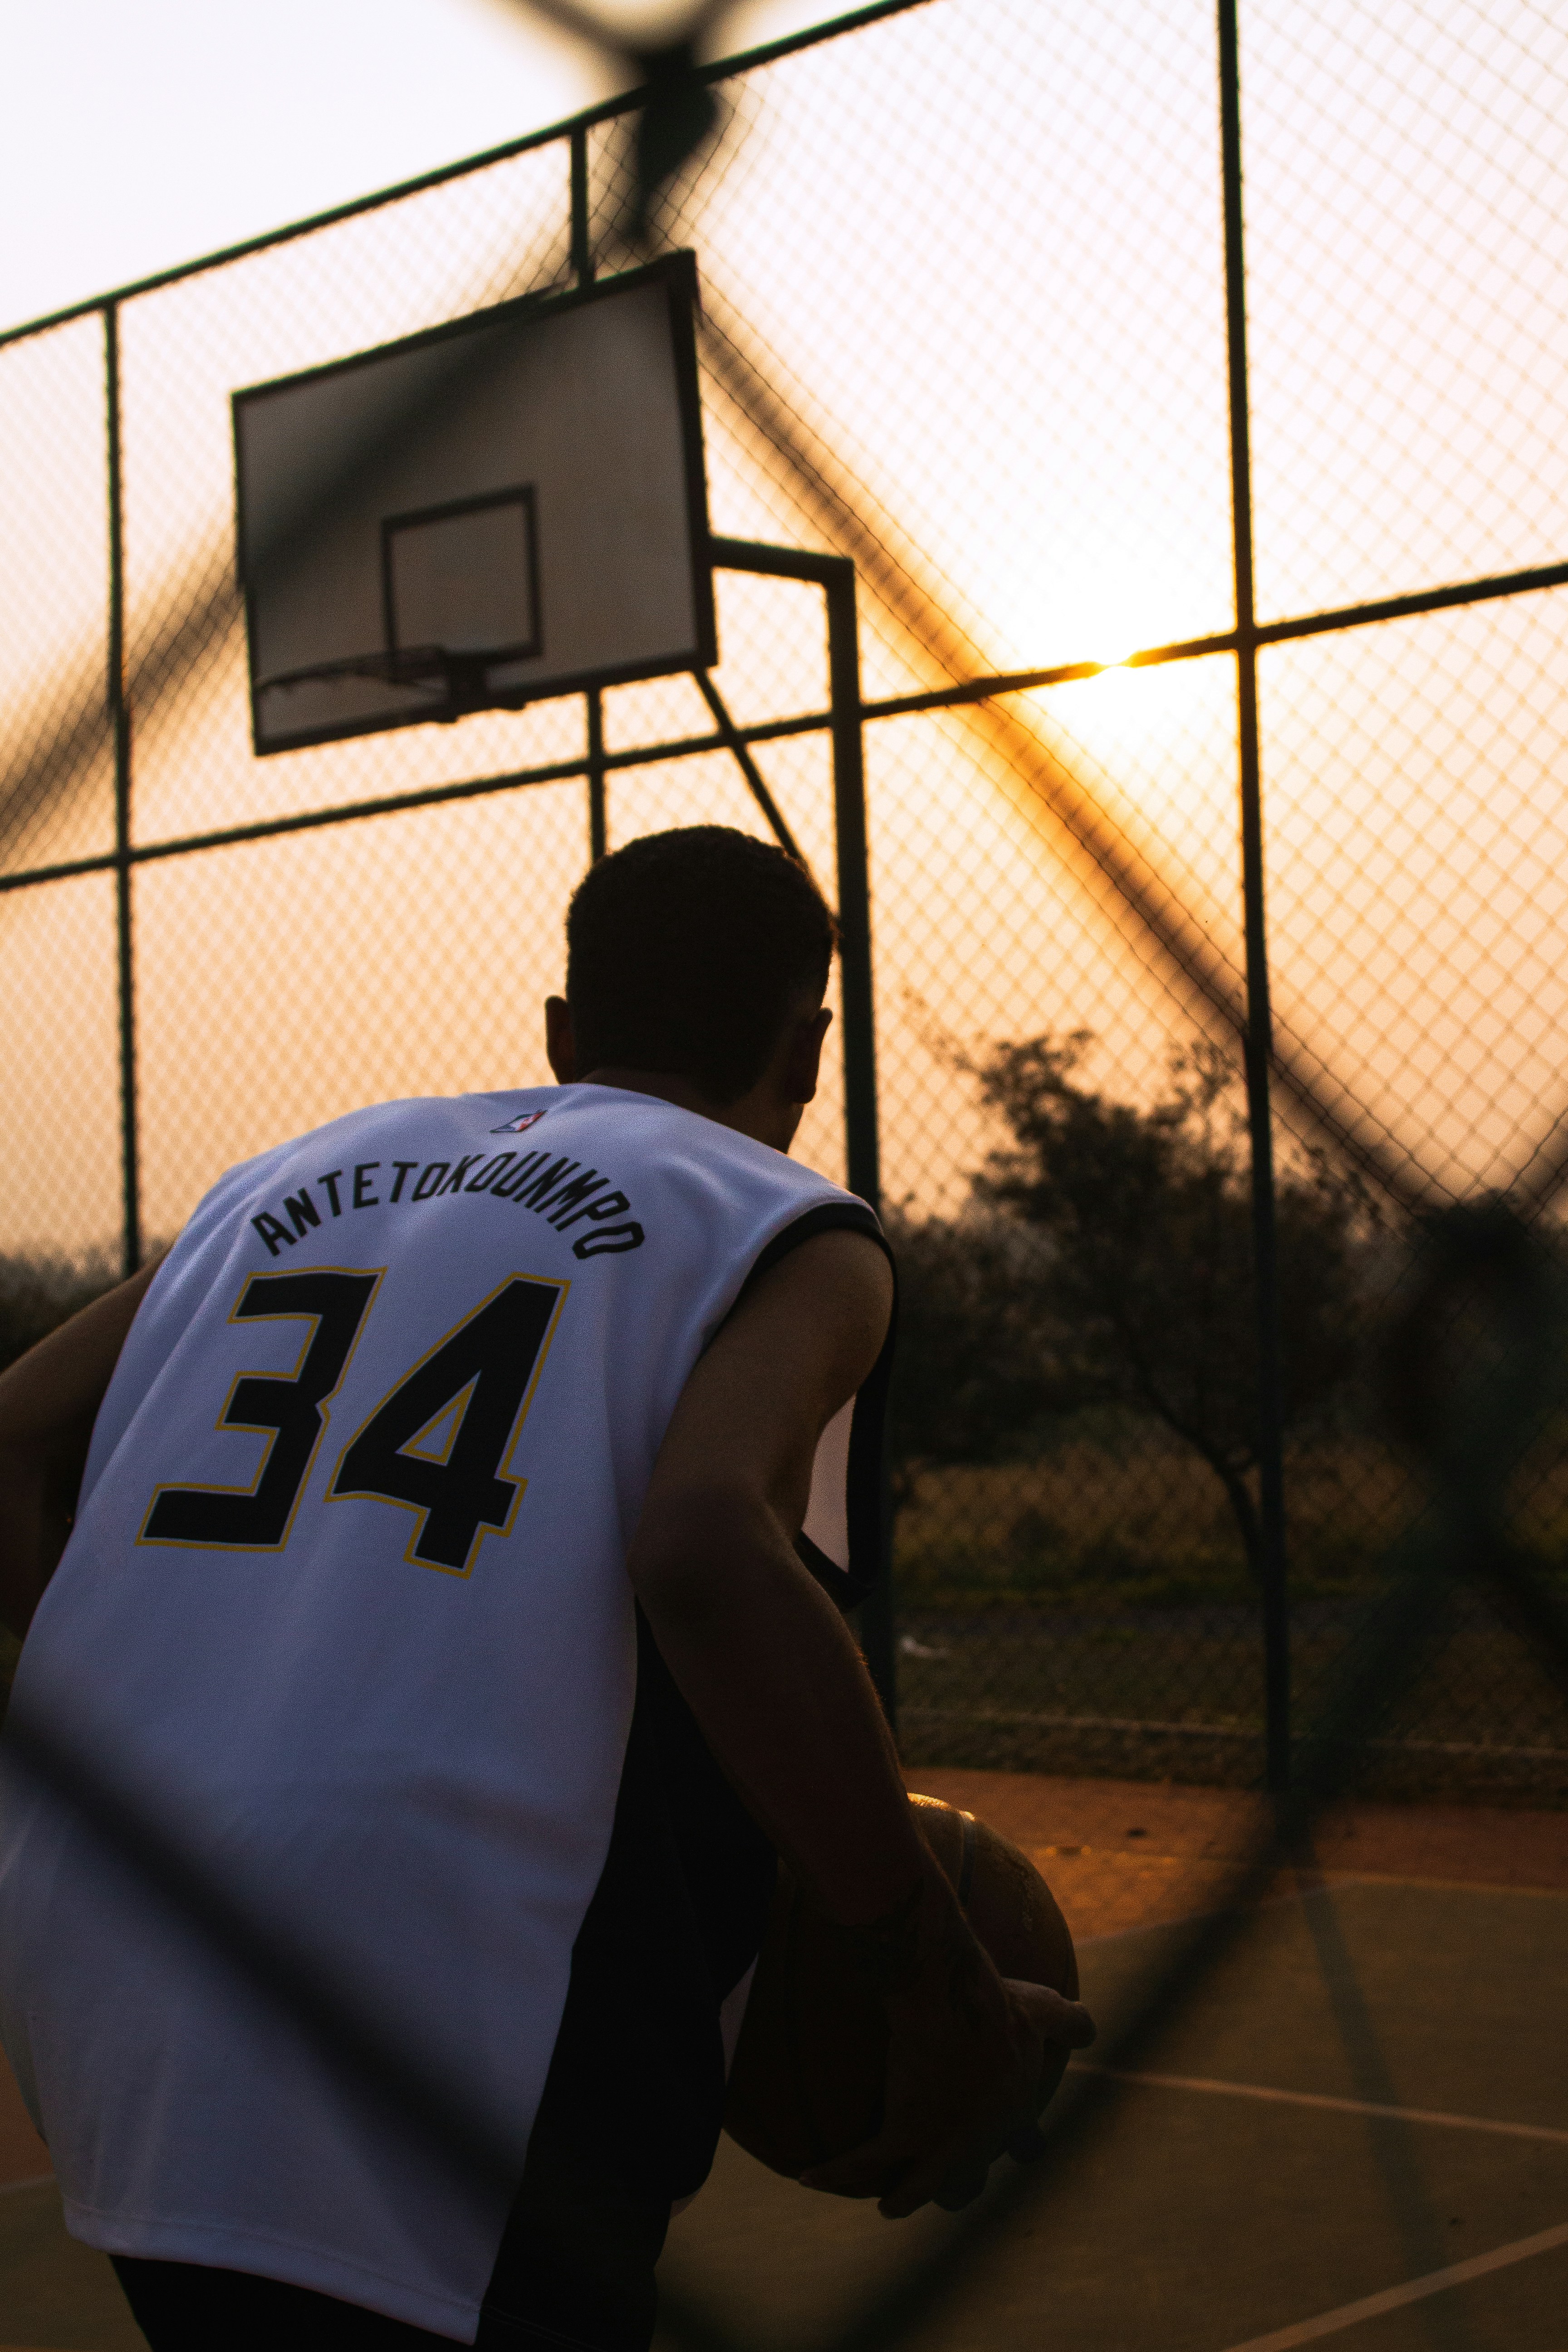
(437, 1444)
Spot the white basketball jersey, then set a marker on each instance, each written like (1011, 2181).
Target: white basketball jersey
(345, 1613)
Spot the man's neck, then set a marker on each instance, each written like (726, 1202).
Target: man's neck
(753, 1114)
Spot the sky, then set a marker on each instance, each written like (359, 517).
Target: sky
(139, 137)
(964, 280)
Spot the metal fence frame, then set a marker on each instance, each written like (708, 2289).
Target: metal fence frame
(843, 721)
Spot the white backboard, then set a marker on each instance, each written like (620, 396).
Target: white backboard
(505, 508)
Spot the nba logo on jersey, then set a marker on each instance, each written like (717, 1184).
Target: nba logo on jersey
(524, 1120)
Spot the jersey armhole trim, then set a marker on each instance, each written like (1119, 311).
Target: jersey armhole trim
(829, 1217)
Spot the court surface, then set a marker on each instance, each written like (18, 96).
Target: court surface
(1358, 2135)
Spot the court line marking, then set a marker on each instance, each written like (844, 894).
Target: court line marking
(1263, 1902)
(1320, 2099)
(1394, 2298)
(1333, 1882)
(33, 2180)
(1331, 1876)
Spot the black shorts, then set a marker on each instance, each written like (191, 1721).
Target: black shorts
(183, 2307)
(575, 2274)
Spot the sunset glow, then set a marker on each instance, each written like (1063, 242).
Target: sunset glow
(965, 280)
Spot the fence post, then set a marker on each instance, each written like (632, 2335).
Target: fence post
(598, 805)
(835, 575)
(120, 726)
(581, 250)
(1260, 1041)
(862, 1149)
(577, 168)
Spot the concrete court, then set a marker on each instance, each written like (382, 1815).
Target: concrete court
(1427, 1972)
(1424, 1968)
(1199, 2220)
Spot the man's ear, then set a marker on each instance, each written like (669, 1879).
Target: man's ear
(803, 1061)
(559, 1040)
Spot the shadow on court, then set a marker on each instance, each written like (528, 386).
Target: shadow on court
(1371, 2093)
(55, 2294)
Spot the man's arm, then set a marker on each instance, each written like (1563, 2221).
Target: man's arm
(48, 1402)
(774, 1677)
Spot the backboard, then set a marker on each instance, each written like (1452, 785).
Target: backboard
(507, 507)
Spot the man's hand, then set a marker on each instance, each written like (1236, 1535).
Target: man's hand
(772, 1674)
(48, 1403)
(972, 2059)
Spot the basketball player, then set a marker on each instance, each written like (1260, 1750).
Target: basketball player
(445, 1547)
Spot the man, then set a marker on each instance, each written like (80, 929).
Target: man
(453, 1581)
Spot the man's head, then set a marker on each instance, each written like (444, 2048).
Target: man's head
(700, 956)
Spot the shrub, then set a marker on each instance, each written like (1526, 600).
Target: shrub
(42, 1288)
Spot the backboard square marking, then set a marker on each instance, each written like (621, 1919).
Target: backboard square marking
(462, 579)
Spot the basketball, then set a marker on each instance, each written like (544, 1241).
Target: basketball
(806, 2083)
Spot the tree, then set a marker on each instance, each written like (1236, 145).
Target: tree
(1149, 1276)
(972, 1376)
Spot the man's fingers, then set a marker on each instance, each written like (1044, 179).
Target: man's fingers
(1059, 2019)
(904, 2171)
(860, 2172)
(963, 2184)
(928, 2179)
(902, 2178)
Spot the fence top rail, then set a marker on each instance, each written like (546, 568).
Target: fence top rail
(627, 101)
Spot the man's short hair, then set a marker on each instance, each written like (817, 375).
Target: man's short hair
(686, 952)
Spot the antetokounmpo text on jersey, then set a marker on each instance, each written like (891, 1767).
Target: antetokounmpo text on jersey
(563, 1192)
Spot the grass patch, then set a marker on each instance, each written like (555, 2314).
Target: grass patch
(1127, 1519)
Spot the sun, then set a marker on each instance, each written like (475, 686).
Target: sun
(1103, 616)
(1149, 719)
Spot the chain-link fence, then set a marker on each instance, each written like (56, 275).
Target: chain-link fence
(977, 316)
